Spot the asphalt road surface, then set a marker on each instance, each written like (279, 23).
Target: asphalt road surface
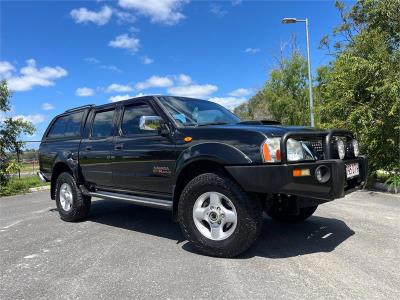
(349, 249)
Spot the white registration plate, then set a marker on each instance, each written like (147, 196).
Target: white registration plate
(352, 170)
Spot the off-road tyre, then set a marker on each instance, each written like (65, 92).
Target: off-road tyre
(80, 204)
(249, 215)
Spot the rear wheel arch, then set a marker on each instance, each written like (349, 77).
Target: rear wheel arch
(58, 169)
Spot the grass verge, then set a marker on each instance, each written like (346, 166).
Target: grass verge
(20, 186)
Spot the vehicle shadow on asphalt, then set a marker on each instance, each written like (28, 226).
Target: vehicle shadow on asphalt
(317, 234)
(147, 220)
(277, 240)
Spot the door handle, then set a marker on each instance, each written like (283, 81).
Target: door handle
(88, 148)
(119, 146)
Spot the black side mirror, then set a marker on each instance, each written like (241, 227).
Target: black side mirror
(152, 123)
(163, 130)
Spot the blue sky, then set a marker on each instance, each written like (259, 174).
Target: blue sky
(60, 54)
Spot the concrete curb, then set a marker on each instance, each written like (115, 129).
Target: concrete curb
(39, 188)
(383, 187)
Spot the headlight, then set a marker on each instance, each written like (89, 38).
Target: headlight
(354, 147)
(340, 149)
(294, 150)
(271, 150)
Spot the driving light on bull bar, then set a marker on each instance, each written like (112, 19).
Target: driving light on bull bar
(340, 149)
(354, 147)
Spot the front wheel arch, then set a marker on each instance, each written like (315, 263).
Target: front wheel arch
(191, 170)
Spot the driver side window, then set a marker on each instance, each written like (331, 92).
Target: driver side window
(131, 118)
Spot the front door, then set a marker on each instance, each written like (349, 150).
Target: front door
(143, 159)
(95, 149)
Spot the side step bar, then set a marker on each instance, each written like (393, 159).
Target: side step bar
(139, 200)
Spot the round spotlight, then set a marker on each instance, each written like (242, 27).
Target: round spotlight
(323, 174)
(354, 147)
(341, 149)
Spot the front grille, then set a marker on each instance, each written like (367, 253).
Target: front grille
(317, 147)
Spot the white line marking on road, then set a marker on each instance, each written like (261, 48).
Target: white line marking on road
(12, 224)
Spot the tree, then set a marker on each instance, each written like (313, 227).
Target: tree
(360, 89)
(284, 96)
(10, 131)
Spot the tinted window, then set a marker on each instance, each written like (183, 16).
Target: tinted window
(58, 128)
(131, 118)
(103, 124)
(67, 126)
(74, 124)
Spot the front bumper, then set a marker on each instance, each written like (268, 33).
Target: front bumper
(278, 179)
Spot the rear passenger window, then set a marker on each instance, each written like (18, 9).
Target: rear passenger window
(74, 124)
(131, 118)
(103, 124)
(67, 126)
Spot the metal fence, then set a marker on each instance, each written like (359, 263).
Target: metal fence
(28, 158)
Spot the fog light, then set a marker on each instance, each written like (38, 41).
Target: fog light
(323, 174)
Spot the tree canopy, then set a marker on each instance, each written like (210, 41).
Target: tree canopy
(10, 131)
(358, 90)
(284, 96)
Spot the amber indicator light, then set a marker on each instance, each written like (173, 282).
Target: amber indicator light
(188, 139)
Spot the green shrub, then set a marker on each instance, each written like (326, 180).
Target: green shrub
(17, 186)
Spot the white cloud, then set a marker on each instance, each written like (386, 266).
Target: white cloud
(95, 61)
(241, 92)
(124, 97)
(146, 60)
(229, 102)
(6, 69)
(236, 2)
(217, 10)
(118, 88)
(125, 41)
(154, 81)
(184, 79)
(160, 11)
(194, 90)
(92, 60)
(34, 119)
(111, 68)
(120, 97)
(252, 50)
(31, 76)
(84, 92)
(83, 15)
(124, 17)
(47, 106)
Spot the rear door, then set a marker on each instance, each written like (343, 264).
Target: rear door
(144, 159)
(95, 149)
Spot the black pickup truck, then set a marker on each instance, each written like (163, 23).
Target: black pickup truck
(216, 173)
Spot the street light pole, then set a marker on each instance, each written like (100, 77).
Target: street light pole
(310, 77)
(294, 20)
